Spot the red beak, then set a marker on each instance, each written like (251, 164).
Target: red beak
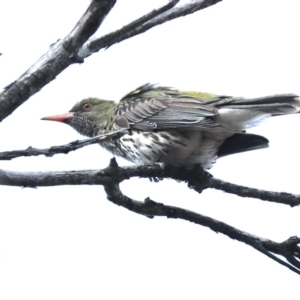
(60, 118)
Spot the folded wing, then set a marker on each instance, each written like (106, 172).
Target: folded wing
(161, 108)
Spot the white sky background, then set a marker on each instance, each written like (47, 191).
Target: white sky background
(70, 242)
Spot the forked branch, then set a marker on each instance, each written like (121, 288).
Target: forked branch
(196, 179)
(75, 47)
(111, 177)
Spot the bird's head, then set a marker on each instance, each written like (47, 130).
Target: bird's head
(90, 116)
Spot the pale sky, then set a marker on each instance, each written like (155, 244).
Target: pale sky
(71, 243)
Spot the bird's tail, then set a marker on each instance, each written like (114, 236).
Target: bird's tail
(239, 113)
(273, 105)
(242, 142)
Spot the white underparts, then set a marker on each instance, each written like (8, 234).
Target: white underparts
(240, 119)
(173, 148)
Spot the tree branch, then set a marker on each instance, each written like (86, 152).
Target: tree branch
(196, 179)
(62, 149)
(244, 191)
(113, 175)
(289, 249)
(71, 49)
(138, 26)
(118, 35)
(61, 55)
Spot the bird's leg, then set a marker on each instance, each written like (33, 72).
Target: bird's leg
(197, 178)
(157, 179)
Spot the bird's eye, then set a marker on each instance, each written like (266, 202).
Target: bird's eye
(87, 106)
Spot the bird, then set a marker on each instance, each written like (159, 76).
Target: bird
(166, 126)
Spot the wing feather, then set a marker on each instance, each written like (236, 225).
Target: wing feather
(153, 107)
(162, 108)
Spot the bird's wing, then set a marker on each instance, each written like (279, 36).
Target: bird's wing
(150, 108)
(153, 107)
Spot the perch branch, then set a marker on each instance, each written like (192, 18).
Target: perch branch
(196, 179)
(113, 175)
(244, 191)
(289, 249)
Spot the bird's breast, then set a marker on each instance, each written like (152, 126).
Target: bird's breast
(168, 148)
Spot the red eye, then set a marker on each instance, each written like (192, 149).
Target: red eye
(87, 106)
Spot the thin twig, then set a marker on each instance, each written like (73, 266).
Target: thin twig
(244, 191)
(62, 149)
(137, 28)
(119, 35)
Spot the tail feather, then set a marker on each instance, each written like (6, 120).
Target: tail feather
(239, 114)
(274, 105)
(281, 98)
(242, 142)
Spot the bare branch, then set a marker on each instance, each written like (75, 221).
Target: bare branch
(197, 179)
(71, 50)
(137, 27)
(150, 208)
(62, 149)
(113, 175)
(244, 191)
(118, 35)
(59, 57)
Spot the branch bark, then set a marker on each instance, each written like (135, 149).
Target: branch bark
(62, 149)
(61, 55)
(113, 175)
(73, 48)
(198, 179)
(140, 26)
(289, 248)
